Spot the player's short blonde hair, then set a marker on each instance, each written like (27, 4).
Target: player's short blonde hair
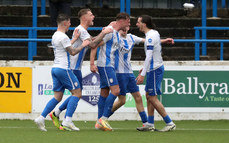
(83, 12)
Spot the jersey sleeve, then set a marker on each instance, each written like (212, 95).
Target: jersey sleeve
(84, 35)
(150, 41)
(147, 62)
(149, 45)
(137, 39)
(65, 41)
(107, 37)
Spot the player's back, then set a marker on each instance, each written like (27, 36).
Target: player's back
(60, 41)
(108, 51)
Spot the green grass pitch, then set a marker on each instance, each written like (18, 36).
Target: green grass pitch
(25, 131)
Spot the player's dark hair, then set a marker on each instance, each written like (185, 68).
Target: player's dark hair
(83, 12)
(122, 15)
(62, 17)
(148, 20)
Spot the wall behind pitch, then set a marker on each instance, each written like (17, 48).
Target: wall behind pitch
(42, 90)
(177, 78)
(195, 89)
(184, 89)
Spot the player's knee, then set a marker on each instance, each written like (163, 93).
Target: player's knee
(147, 98)
(80, 95)
(77, 93)
(138, 99)
(152, 99)
(116, 92)
(58, 98)
(123, 101)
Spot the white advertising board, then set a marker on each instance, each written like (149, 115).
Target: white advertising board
(182, 76)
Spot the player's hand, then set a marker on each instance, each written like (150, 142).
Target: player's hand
(86, 43)
(93, 68)
(169, 41)
(76, 34)
(112, 23)
(93, 38)
(140, 79)
(107, 30)
(140, 71)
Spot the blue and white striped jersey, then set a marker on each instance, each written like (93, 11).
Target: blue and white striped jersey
(122, 59)
(77, 60)
(60, 42)
(152, 47)
(108, 51)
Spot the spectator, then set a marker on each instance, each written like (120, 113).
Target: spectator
(93, 3)
(59, 6)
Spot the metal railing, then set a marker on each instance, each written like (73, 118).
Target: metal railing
(215, 6)
(124, 7)
(197, 43)
(197, 37)
(32, 40)
(204, 20)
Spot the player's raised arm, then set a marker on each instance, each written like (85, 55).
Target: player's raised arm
(76, 34)
(163, 41)
(99, 38)
(73, 51)
(167, 41)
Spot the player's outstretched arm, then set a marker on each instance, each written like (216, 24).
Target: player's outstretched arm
(73, 51)
(167, 41)
(163, 41)
(99, 38)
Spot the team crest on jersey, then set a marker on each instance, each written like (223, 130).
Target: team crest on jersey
(111, 80)
(76, 84)
(150, 40)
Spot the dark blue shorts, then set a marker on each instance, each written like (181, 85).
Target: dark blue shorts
(127, 83)
(153, 81)
(64, 79)
(78, 74)
(107, 77)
